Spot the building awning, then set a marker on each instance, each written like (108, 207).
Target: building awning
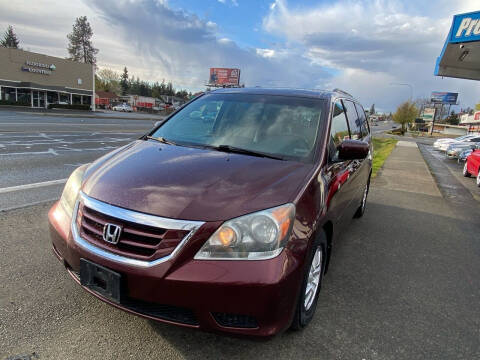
(460, 56)
(34, 86)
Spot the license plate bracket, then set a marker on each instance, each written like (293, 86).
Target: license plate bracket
(103, 281)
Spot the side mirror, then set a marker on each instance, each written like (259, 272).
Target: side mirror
(353, 150)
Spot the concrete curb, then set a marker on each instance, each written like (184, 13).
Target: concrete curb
(89, 116)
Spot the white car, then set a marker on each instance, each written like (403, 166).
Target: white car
(123, 107)
(442, 144)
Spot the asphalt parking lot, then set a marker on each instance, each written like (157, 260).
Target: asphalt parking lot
(403, 282)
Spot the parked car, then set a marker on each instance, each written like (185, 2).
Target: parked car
(438, 142)
(472, 166)
(454, 149)
(123, 107)
(464, 139)
(464, 154)
(225, 223)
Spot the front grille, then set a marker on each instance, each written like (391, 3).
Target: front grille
(164, 312)
(137, 241)
(235, 320)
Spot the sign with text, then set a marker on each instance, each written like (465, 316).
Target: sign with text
(440, 97)
(466, 27)
(224, 77)
(428, 114)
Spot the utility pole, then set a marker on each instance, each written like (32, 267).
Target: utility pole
(93, 87)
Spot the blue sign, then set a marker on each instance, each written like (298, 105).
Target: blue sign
(441, 97)
(465, 28)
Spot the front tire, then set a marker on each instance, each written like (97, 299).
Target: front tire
(478, 178)
(311, 284)
(465, 170)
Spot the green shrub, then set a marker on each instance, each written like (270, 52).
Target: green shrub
(14, 103)
(68, 106)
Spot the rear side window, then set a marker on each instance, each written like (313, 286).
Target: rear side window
(353, 120)
(338, 129)
(363, 120)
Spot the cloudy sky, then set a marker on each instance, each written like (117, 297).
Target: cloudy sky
(360, 46)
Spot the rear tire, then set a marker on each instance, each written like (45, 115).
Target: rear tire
(465, 170)
(311, 284)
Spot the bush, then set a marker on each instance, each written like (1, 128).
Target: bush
(68, 106)
(14, 103)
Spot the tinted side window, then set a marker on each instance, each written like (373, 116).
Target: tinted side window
(353, 120)
(363, 120)
(338, 129)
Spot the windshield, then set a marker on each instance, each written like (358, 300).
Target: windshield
(283, 126)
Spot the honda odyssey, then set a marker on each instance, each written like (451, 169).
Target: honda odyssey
(224, 217)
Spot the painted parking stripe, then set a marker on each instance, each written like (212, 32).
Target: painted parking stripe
(32, 186)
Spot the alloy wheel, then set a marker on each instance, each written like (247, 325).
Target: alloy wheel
(478, 178)
(313, 278)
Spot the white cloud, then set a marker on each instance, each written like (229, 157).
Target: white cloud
(266, 53)
(373, 43)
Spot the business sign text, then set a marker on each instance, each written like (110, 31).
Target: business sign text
(441, 97)
(224, 77)
(466, 27)
(38, 68)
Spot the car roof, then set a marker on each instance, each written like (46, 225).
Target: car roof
(313, 93)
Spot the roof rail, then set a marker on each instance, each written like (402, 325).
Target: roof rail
(343, 92)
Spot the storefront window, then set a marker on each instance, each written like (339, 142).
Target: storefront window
(24, 96)
(64, 98)
(52, 97)
(77, 99)
(8, 93)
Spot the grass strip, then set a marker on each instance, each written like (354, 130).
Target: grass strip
(382, 147)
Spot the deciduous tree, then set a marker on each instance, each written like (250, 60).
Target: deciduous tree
(405, 114)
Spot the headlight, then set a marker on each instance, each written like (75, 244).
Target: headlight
(72, 187)
(257, 236)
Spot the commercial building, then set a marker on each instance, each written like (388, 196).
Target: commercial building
(38, 80)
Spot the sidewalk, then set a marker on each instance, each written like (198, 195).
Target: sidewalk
(407, 272)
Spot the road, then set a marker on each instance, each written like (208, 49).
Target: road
(403, 281)
(38, 149)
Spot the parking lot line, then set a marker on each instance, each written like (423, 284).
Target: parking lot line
(32, 186)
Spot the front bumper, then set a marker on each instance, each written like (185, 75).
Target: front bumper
(255, 298)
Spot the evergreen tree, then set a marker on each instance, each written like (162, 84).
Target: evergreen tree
(124, 81)
(10, 38)
(80, 47)
(372, 110)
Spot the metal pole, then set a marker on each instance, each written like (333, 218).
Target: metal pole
(93, 87)
(16, 94)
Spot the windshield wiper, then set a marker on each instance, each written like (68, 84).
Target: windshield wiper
(161, 139)
(236, 150)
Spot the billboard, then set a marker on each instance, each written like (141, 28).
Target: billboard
(224, 77)
(428, 114)
(440, 97)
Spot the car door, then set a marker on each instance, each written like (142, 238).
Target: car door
(338, 171)
(359, 170)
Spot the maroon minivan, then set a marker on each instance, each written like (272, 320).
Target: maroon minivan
(224, 216)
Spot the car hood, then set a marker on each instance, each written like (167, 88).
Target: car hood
(191, 183)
